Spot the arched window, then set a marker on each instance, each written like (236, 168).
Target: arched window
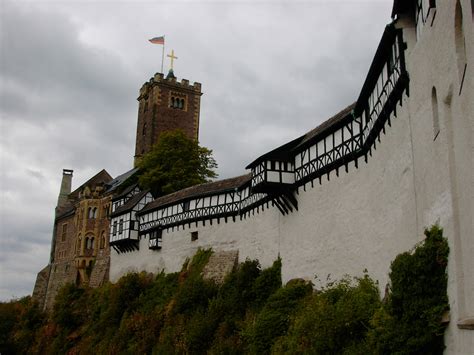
(434, 107)
(79, 245)
(89, 242)
(94, 212)
(102, 241)
(460, 42)
(89, 213)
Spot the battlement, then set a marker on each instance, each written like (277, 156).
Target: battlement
(159, 78)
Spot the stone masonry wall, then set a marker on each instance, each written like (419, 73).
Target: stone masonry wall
(220, 264)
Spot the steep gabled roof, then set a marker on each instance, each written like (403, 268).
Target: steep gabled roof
(198, 191)
(102, 177)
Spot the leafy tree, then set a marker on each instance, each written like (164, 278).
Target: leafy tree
(176, 162)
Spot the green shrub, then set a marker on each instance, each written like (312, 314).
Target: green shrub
(333, 321)
(410, 322)
(273, 321)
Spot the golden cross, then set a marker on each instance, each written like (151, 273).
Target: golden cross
(172, 57)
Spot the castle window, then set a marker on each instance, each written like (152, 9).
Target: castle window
(186, 206)
(102, 241)
(92, 212)
(177, 101)
(460, 45)
(79, 245)
(194, 236)
(144, 129)
(155, 239)
(90, 243)
(64, 232)
(434, 107)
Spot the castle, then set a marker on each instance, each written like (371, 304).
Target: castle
(348, 195)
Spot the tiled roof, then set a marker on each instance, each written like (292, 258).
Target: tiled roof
(198, 190)
(327, 124)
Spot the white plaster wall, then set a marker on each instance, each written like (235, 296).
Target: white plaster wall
(256, 237)
(444, 173)
(359, 220)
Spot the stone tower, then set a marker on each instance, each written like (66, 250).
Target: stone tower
(166, 104)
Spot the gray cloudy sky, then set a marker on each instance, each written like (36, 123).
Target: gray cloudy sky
(70, 72)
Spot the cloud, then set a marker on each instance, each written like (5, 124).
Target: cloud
(70, 74)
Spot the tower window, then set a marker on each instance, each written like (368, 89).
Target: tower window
(460, 44)
(178, 101)
(194, 236)
(121, 226)
(64, 232)
(434, 107)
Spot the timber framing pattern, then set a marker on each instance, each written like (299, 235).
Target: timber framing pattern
(277, 175)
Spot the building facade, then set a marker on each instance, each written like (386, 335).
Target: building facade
(80, 250)
(359, 189)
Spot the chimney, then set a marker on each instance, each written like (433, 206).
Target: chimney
(65, 188)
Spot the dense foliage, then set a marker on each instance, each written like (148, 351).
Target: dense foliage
(251, 312)
(174, 163)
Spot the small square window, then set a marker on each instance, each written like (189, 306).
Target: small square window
(194, 236)
(64, 232)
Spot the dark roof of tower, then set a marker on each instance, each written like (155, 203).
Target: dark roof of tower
(198, 190)
(170, 74)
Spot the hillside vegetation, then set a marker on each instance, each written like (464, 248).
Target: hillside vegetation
(250, 313)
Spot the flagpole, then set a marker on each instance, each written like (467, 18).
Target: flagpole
(163, 55)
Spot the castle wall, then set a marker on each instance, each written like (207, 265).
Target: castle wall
(421, 173)
(62, 273)
(255, 237)
(444, 165)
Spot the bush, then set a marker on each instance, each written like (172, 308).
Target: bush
(410, 322)
(274, 319)
(333, 321)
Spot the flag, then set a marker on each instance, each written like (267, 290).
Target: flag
(158, 40)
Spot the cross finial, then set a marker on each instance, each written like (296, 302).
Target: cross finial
(172, 57)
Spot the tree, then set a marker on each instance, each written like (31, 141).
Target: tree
(174, 163)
